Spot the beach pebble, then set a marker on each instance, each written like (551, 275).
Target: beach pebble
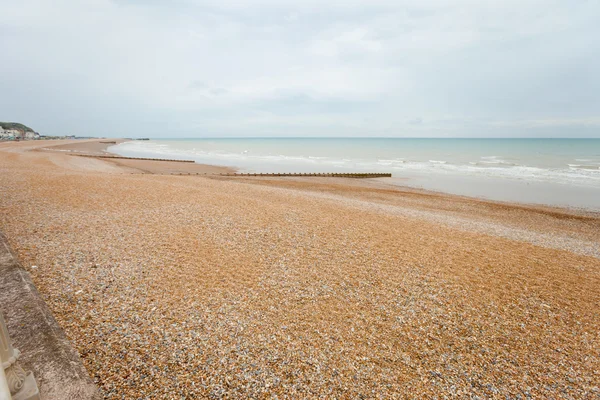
(174, 287)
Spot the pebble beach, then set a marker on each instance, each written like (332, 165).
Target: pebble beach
(207, 286)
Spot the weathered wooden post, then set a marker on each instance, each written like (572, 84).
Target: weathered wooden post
(20, 385)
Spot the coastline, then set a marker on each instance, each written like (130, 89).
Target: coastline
(100, 147)
(302, 286)
(403, 183)
(540, 173)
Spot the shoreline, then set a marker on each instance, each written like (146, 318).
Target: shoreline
(96, 147)
(428, 199)
(530, 190)
(303, 287)
(398, 182)
(133, 165)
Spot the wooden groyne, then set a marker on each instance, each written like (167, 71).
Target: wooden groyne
(132, 158)
(331, 175)
(322, 174)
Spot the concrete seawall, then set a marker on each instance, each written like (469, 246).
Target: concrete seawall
(45, 350)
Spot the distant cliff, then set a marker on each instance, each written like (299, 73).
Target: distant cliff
(16, 126)
(16, 131)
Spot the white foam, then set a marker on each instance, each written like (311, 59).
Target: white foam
(582, 173)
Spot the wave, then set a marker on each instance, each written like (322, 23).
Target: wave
(498, 162)
(384, 162)
(583, 166)
(495, 160)
(581, 173)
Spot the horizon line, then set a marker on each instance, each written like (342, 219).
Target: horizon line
(343, 137)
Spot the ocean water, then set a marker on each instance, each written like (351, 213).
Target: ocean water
(562, 172)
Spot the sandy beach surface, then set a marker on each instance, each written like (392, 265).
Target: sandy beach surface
(208, 286)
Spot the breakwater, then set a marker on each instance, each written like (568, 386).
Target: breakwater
(325, 174)
(133, 158)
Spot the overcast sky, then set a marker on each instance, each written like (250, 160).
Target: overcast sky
(302, 68)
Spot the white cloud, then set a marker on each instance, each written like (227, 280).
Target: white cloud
(331, 68)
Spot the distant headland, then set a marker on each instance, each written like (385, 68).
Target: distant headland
(17, 131)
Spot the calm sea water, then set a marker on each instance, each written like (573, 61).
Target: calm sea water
(552, 171)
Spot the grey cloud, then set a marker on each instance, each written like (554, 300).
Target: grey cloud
(468, 68)
(218, 91)
(206, 89)
(197, 85)
(302, 104)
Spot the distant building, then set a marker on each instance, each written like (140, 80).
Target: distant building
(8, 133)
(12, 134)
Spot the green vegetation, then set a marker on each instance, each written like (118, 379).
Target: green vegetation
(15, 125)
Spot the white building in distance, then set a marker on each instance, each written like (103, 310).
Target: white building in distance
(13, 134)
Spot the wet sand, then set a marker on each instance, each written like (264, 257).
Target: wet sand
(207, 286)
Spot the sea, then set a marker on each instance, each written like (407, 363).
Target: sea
(559, 172)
